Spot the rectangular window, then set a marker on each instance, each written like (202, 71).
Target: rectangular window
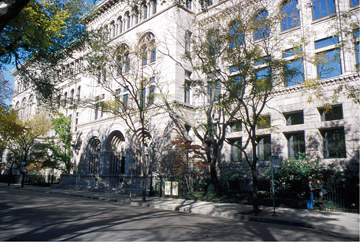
(334, 143)
(357, 47)
(235, 127)
(144, 57)
(264, 147)
(143, 97)
(151, 94)
(214, 90)
(326, 42)
(294, 69)
(333, 113)
(188, 4)
(236, 154)
(263, 122)
(127, 63)
(153, 55)
(354, 3)
(187, 42)
(323, 8)
(296, 144)
(119, 66)
(187, 91)
(294, 118)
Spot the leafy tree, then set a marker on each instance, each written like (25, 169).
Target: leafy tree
(20, 146)
(236, 68)
(41, 33)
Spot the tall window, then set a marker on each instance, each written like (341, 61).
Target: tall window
(290, 15)
(323, 8)
(214, 90)
(262, 27)
(72, 92)
(236, 154)
(127, 62)
(294, 69)
(264, 147)
(187, 87)
(357, 47)
(334, 143)
(153, 55)
(296, 144)
(154, 6)
(126, 97)
(151, 94)
(65, 99)
(144, 56)
(187, 42)
(128, 20)
(237, 36)
(113, 29)
(328, 60)
(119, 65)
(120, 25)
(188, 4)
(78, 93)
(144, 9)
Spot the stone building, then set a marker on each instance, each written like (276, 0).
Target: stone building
(102, 140)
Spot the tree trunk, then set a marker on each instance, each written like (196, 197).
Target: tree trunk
(255, 189)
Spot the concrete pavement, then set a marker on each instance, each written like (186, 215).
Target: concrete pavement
(346, 224)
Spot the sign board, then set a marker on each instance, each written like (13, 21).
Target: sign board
(171, 188)
(175, 189)
(275, 161)
(168, 188)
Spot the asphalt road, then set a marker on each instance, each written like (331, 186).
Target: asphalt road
(29, 215)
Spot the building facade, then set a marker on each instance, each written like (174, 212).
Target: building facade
(102, 141)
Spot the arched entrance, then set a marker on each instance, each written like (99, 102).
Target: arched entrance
(116, 153)
(93, 156)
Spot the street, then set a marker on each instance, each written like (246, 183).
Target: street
(31, 215)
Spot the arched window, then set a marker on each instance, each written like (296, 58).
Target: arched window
(119, 25)
(144, 13)
(64, 101)
(112, 29)
(136, 14)
(148, 48)
(122, 59)
(323, 8)
(290, 15)
(78, 93)
(154, 6)
(128, 20)
(72, 96)
(262, 28)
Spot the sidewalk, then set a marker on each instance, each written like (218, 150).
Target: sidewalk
(346, 224)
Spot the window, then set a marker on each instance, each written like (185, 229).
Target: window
(263, 122)
(127, 63)
(235, 127)
(296, 144)
(236, 88)
(65, 99)
(154, 6)
(153, 55)
(99, 107)
(208, 3)
(328, 61)
(72, 92)
(357, 47)
(323, 8)
(264, 147)
(187, 42)
(237, 36)
(294, 68)
(78, 93)
(128, 20)
(119, 66)
(236, 154)
(126, 97)
(144, 56)
(151, 94)
(120, 25)
(145, 9)
(214, 90)
(354, 3)
(290, 15)
(113, 29)
(213, 42)
(334, 143)
(117, 99)
(262, 27)
(143, 97)
(264, 80)
(187, 87)
(294, 118)
(332, 113)
(188, 4)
